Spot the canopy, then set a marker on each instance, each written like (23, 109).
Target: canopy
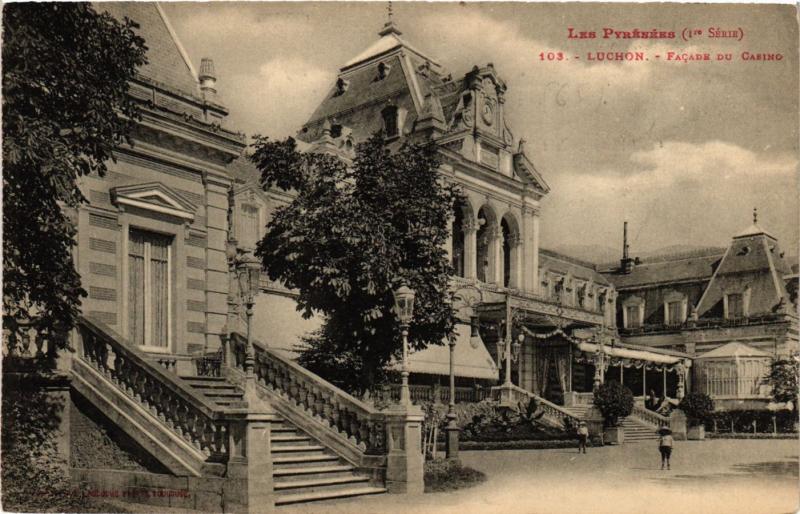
(470, 361)
(628, 353)
(734, 350)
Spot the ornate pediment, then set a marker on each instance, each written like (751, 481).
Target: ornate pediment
(156, 197)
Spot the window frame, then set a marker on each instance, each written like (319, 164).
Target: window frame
(147, 290)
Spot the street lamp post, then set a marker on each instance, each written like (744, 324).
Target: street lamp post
(404, 310)
(248, 274)
(451, 449)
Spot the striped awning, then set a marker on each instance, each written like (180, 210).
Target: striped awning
(629, 353)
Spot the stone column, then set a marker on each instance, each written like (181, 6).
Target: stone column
(515, 246)
(494, 241)
(448, 246)
(405, 461)
(529, 263)
(470, 248)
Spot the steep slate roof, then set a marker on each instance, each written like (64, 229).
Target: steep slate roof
(734, 349)
(168, 62)
(561, 263)
(750, 261)
(677, 268)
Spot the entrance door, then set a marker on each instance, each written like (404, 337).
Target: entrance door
(149, 297)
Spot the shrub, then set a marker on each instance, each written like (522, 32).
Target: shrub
(614, 401)
(449, 475)
(741, 421)
(698, 408)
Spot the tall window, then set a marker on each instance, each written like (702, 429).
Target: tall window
(506, 252)
(390, 126)
(632, 313)
(735, 306)
(674, 313)
(149, 289)
(458, 240)
(248, 225)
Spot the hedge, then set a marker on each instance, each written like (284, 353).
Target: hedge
(738, 421)
(728, 435)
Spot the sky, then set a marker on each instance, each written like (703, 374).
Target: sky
(682, 150)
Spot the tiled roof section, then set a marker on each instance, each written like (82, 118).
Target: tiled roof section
(734, 349)
(364, 87)
(748, 263)
(677, 269)
(166, 63)
(554, 261)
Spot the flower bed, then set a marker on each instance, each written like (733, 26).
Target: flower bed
(741, 421)
(449, 475)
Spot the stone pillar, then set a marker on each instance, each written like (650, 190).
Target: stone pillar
(514, 261)
(680, 370)
(529, 261)
(405, 461)
(677, 423)
(448, 246)
(470, 248)
(594, 422)
(494, 240)
(249, 485)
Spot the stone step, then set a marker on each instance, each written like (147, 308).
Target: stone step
(317, 483)
(303, 460)
(289, 439)
(311, 470)
(299, 448)
(286, 499)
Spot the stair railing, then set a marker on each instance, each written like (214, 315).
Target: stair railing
(361, 424)
(551, 410)
(193, 418)
(650, 417)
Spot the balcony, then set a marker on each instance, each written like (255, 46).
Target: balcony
(703, 323)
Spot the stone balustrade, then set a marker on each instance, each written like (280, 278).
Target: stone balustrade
(359, 423)
(154, 387)
(649, 416)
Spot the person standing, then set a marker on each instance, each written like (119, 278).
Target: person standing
(665, 443)
(583, 436)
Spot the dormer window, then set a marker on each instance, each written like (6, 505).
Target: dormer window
(383, 70)
(341, 86)
(633, 312)
(391, 126)
(735, 306)
(336, 131)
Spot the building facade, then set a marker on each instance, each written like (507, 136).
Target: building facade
(733, 310)
(152, 238)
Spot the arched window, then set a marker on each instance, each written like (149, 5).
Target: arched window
(507, 249)
(390, 121)
(486, 239)
(458, 239)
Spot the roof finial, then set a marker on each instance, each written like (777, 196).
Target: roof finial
(755, 215)
(389, 27)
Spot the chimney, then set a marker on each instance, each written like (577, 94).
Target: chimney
(208, 79)
(626, 263)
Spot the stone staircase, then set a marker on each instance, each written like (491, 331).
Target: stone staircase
(304, 470)
(635, 430)
(323, 443)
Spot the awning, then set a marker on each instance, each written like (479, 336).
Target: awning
(470, 361)
(628, 353)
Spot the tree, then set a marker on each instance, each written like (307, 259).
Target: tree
(347, 240)
(698, 408)
(614, 401)
(65, 106)
(782, 377)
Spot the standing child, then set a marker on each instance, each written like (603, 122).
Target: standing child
(665, 443)
(583, 436)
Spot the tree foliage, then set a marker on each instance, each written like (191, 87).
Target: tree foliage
(65, 105)
(614, 401)
(698, 407)
(347, 240)
(782, 378)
